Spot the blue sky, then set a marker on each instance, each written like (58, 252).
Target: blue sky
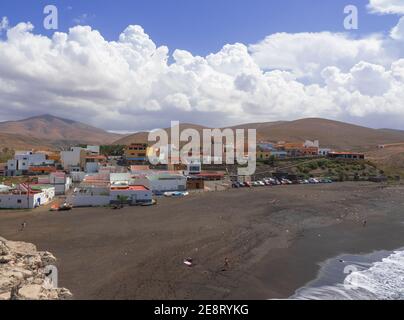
(200, 26)
(145, 63)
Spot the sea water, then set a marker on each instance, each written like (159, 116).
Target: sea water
(379, 275)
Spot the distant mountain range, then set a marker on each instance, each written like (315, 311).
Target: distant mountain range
(334, 134)
(50, 132)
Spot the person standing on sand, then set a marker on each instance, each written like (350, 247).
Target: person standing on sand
(226, 264)
(23, 226)
(365, 223)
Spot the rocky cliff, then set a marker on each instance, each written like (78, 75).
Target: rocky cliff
(28, 274)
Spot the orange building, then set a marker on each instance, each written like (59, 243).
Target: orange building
(41, 169)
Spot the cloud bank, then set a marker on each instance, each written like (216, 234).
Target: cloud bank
(129, 84)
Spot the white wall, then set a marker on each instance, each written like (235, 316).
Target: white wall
(78, 200)
(23, 201)
(13, 201)
(71, 158)
(25, 160)
(324, 151)
(134, 195)
(12, 165)
(78, 176)
(92, 167)
(162, 184)
(44, 197)
(93, 149)
(81, 200)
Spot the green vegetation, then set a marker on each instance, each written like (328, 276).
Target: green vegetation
(271, 161)
(6, 154)
(338, 170)
(112, 150)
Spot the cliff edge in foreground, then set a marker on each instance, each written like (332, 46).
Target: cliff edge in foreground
(28, 274)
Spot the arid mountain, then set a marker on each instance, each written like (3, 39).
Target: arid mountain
(16, 142)
(51, 130)
(334, 134)
(142, 137)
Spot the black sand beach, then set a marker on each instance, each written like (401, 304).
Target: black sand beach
(273, 237)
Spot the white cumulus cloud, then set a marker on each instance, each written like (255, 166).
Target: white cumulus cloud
(386, 6)
(129, 84)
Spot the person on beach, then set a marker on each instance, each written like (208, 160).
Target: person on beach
(23, 226)
(226, 264)
(365, 223)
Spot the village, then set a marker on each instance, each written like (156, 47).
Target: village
(83, 176)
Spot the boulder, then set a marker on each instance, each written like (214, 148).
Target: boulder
(22, 273)
(30, 292)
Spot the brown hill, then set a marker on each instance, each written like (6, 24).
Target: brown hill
(334, 134)
(142, 137)
(16, 141)
(52, 129)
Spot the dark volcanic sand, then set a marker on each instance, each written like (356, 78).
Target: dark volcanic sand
(274, 238)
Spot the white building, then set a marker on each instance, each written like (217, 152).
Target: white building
(23, 160)
(77, 176)
(75, 157)
(26, 197)
(95, 150)
(71, 158)
(195, 167)
(324, 151)
(167, 181)
(61, 182)
(162, 181)
(312, 144)
(92, 167)
(104, 195)
(131, 194)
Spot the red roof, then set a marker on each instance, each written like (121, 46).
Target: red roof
(96, 157)
(353, 153)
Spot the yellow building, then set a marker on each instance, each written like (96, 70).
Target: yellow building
(136, 152)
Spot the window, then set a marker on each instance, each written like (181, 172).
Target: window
(19, 201)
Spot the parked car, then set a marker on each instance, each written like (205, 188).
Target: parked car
(286, 181)
(247, 184)
(313, 181)
(176, 194)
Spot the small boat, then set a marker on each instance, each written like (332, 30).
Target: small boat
(65, 207)
(148, 204)
(55, 207)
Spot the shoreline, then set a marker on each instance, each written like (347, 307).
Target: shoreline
(269, 235)
(303, 261)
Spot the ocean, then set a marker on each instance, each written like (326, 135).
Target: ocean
(375, 276)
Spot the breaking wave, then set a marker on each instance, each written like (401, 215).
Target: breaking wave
(382, 280)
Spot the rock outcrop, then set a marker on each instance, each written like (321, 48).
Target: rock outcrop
(26, 274)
